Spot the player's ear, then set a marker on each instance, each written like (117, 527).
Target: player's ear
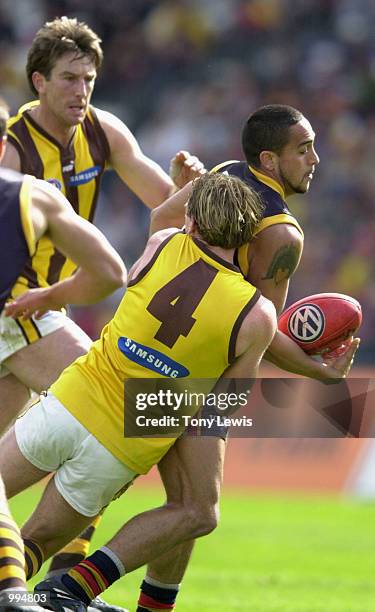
(190, 224)
(268, 160)
(38, 81)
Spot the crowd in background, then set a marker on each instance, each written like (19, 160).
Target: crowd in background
(187, 73)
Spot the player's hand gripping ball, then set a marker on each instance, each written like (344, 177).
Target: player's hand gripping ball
(321, 323)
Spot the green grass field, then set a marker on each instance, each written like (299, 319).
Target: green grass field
(270, 554)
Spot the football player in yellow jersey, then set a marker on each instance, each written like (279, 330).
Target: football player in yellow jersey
(168, 317)
(278, 143)
(30, 208)
(62, 138)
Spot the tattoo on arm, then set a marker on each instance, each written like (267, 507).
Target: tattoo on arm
(283, 264)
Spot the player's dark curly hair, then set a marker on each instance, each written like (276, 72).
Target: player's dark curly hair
(267, 129)
(57, 37)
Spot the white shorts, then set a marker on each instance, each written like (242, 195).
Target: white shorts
(87, 475)
(16, 334)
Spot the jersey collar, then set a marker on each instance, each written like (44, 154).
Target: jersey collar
(267, 180)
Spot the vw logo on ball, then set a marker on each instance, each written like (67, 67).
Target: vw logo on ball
(307, 323)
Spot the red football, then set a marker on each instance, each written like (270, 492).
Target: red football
(321, 323)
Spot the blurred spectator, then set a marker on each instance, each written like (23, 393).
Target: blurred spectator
(186, 73)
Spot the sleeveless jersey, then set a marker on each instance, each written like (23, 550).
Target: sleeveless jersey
(179, 318)
(76, 170)
(17, 239)
(276, 210)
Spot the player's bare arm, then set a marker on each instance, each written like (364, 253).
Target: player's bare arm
(255, 335)
(142, 175)
(101, 269)
(74, 236)
(274, 256)
(287, 355)
(170, 213)
(150, 249)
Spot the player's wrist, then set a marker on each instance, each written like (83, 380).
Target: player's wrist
(56, 295)
(323, 372)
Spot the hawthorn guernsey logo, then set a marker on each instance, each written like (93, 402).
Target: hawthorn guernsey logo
(151, 359)
(307, 323)
(85, 176)
(55, 182)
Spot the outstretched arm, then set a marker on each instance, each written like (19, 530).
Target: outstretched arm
(100, 271)
(287, 355)
(274, 257)
(140, 173)
(172, 212)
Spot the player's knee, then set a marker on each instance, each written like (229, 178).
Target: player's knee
(50, 540)
(204, 519)
(39, 535)
(208, 523)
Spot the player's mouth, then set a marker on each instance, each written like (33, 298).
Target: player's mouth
(77, 109)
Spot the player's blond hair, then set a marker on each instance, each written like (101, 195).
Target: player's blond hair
(225, 209)
(57, 37)
(4, 116)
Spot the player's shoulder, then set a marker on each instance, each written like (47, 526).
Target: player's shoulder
(46, 196)
(161, 236)
(268, 189)
(105, 118)
(117, 134)
(259, 324)
(263, 309)
(262, 317)
(284, 232)
(223, 166)
(16, 126)
(154, 246)
(270, 193)
(234, 167)
(19, 115)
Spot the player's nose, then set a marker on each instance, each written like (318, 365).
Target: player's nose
(81, 89)
(314, 157)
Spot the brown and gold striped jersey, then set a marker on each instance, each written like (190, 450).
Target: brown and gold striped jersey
(179, 319)
(76, 170)
(17, 238)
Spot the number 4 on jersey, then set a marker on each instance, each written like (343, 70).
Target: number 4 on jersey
(175, 303)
